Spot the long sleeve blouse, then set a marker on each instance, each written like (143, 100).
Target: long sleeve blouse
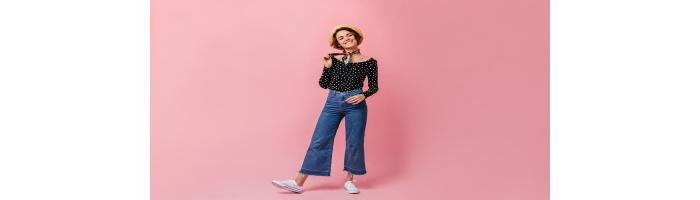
(341, 77)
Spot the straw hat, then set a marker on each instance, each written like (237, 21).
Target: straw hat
(350, 26)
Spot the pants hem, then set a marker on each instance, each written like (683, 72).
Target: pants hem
(355, 172)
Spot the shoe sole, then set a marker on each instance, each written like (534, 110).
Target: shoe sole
(287, 188)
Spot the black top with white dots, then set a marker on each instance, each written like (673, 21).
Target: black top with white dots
(341, 77)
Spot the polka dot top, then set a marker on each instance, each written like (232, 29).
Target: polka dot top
(343, 78)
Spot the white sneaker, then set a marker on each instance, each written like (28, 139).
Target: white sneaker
(289, 184)
(350, 187)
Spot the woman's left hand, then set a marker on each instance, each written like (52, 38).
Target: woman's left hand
(355, 99)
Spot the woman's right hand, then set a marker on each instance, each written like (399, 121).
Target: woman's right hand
(327, 62)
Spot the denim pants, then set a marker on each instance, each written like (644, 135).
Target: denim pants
(318, 156)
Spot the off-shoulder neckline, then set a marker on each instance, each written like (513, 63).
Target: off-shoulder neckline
(370, 59)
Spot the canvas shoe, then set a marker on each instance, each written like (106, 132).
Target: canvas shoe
(350, 187)
(289, 184)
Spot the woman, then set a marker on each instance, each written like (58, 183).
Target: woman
(343, 75)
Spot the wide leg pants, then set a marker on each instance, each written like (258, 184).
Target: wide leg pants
(318, 156)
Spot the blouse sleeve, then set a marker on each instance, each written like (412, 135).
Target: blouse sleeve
(325, 77)
(372, 78)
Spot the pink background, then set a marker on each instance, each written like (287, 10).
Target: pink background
(462, 110)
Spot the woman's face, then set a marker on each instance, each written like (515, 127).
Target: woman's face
(346, 39)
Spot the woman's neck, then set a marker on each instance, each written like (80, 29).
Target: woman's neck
(352, 51)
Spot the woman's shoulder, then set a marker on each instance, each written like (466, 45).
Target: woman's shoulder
(372, 61)
(366, 58)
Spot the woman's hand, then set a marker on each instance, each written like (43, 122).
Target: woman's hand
(355, 99)
(327, 62)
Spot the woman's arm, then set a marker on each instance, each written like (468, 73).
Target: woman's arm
(325, 79)
(373, 79)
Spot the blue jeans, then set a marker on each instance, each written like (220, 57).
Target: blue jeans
(318, 156)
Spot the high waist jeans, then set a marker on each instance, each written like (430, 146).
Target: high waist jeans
(318, 156)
